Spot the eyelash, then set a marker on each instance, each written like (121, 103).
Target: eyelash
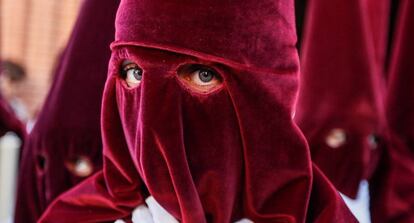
(185, 76)
(125, 68)
(191, 68)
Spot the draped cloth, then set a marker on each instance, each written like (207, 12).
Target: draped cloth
(396, 176)
(358, 122)
(340, 106)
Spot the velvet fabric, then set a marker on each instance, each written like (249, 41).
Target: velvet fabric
(67, 131)
(396, 203)
(342, 87)
(343, 67)
(219, 157)
(400, 105)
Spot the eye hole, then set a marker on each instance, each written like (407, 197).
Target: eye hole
(200, 78)
(131, 73)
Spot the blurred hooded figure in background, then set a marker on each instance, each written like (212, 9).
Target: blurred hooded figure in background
(341, 107)
(396, 203)
(197, 115)
(65, 145)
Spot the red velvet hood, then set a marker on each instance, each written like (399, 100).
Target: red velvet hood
(186, 146)
(250, 33)
(400, 104)
(340, 107)
(396, 200)
(218, 157)
(342, 92)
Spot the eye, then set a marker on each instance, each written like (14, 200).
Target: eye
(200, 78)
(131, 73)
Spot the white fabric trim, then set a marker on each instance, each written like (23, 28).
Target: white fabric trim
(142, 214)
(244, 220)
(10, 145)
(159, 214)
(360, 206)
(155, 213)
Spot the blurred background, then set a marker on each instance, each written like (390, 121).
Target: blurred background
(32, 35)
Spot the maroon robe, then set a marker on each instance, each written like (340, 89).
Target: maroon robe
(341, 107)
(396, 177)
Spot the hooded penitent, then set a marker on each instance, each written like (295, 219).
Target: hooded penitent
(208, 130)
(341, 103)
(396, 203)
(340, 107)
(65, 144)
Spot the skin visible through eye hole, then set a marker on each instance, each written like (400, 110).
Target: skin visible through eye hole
(201, 79)
(131, 73)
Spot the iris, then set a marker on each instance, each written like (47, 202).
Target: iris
(205, 75)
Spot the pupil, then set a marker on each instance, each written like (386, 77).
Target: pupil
(138, 74)
(205, 75)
